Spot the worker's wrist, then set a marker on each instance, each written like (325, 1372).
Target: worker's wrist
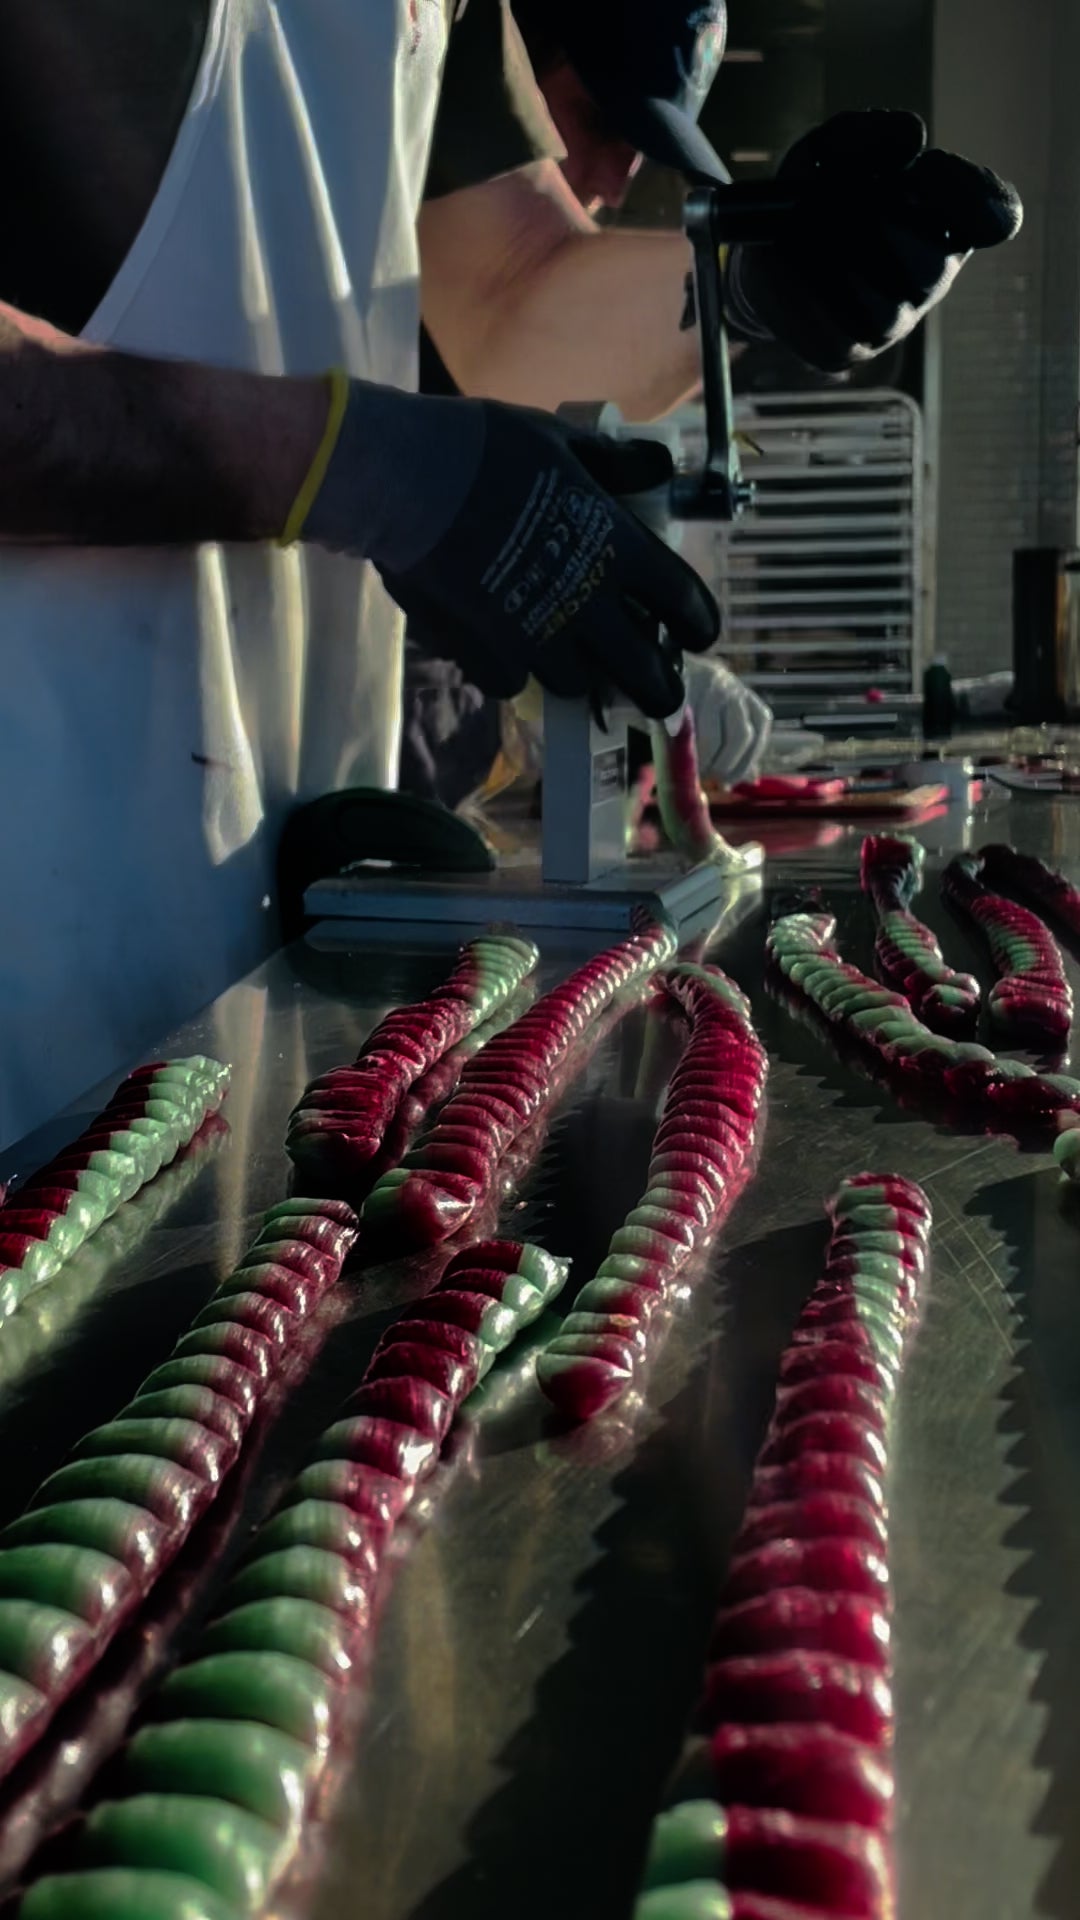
(399, 468)
(275, 429)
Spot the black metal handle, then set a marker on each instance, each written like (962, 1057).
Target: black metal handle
(753, 213)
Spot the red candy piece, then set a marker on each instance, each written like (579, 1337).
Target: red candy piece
(832, 1566)
(811, 1474)
(833, 1357)
(373, 1441)
(825, 1433)
(796, 1685)
(445, 1371)
(807, 1619)
(832, 1393)
(412, 1402)
(840, 1868)
(814, 1516)
(810, 1770)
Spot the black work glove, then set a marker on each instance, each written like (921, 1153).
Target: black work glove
(882, 228)
(497, 532)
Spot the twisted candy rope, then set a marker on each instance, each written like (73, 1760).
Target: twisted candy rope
(699, 1163)
(47, 1312)
(339, 1125)
(1006, 1092)
(441, 1182)
(782, 1807)
(1031, 880)
(214, 1791)
(101, 1530)
(1031, 1003)
(684, 808)
(433, 1089)
(907, 953)
(155, 1112)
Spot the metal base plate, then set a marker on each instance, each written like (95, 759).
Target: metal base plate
(691, 902)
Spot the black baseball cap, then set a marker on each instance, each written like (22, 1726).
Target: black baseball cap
(649, 65)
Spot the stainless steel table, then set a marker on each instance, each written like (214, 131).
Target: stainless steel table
(543, 1637)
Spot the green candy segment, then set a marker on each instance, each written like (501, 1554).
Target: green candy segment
(243, 1764)
(78, 1580)
(692, 1900)
(686, 1844)
(119, 1528)
(1067, 1151)
(301, 1628)
(37, 1641)
(273, 1689)
(232, 1853)
(123, 1893)
(214, 1790)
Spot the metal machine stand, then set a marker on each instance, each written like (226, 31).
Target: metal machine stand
(584, 880)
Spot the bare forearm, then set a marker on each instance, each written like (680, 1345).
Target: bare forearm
(529, 301)
(600, 321)
(108, 449)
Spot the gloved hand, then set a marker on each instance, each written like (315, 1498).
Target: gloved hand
(732, 723)
(496, 531)
(884, 225)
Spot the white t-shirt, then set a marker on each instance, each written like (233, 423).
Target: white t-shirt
(163, 711)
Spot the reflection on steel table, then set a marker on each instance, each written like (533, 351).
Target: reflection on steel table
(544, 1637)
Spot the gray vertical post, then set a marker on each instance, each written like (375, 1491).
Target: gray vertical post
(585, 793)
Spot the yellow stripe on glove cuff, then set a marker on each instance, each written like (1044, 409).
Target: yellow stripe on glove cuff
(338, 382)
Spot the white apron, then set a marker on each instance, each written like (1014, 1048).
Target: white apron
(162, 712)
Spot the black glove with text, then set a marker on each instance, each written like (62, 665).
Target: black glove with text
(499, 533)
(882, 228)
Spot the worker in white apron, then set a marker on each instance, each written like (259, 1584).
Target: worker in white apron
(199, 644)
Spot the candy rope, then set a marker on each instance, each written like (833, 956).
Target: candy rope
(680, 797)
(215, 1790)
(47, 1312)
(428, 1094)
(100, 1531)
(155, 1112)
(1031, 1002)
(782, 1805)
(1007, 1093)
(1031, 880)
(339, 1125)
(699, 1162)
(907, 953)
(441, 1182)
